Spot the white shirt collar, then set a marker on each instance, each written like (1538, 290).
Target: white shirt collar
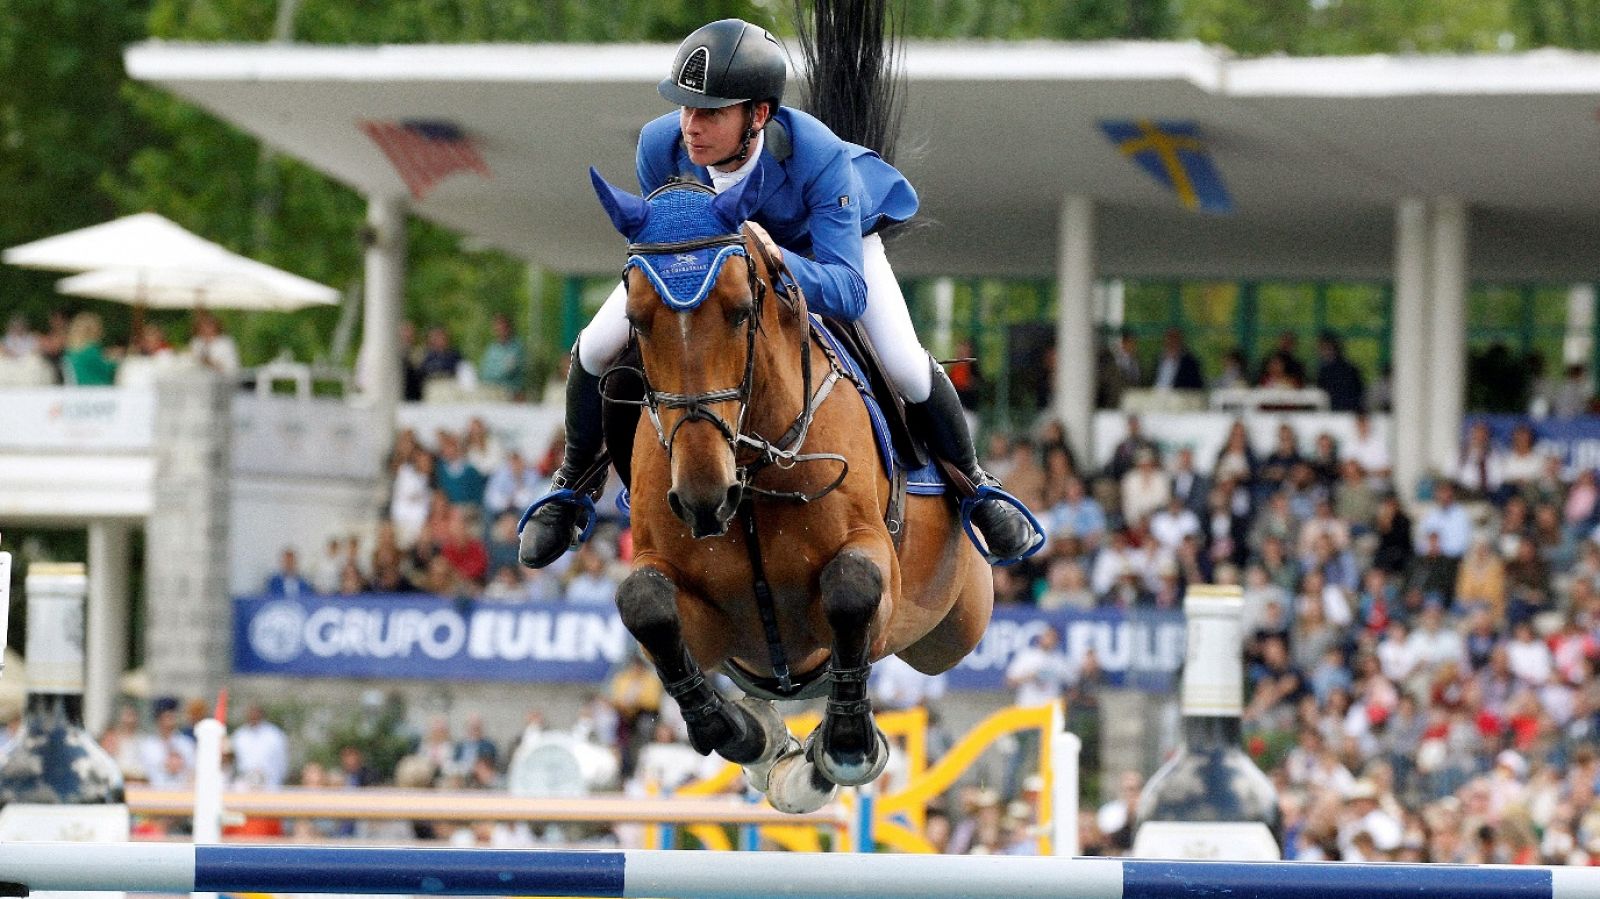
(721, 181)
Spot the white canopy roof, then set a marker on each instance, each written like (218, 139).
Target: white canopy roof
(1315, 152)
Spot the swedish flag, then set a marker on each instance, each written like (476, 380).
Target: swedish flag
(1175, 155)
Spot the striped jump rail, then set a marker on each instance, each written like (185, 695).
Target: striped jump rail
(182, 868)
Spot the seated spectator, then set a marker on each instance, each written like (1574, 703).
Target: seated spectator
(474, 747)
(411, 354)
(482, 448)
(512, 487)
(502, 544)
(462, 548)
(287, 580)
(506, 586)
(211, 346)
(1275, 468)
(440, 359)
(1177, 369)
(1275, 376)
(1287, 359)
(1449, 520)
(20, 339)
(167, 756)
(1235, 373)
(462, 483)
(1076, 515)
(504, 362)
(1527, 583)
(1066, 587)
(86, 363)
(410, 495)
(1145, 488)
(1432, 573)
(260, 751)
(1524, 462)
(1026, 479)
(1481, 579)
(590, 583)
(1172, 523)
(1355, 499)
(1375, 603)
(1276, 686)
(1191, 487)
(389, 577)
(1480, 471)
(1338, 377)
(1395, 542)
(1236, 460)
(1434, 642)
(1369, 449)
(351, 581)
(1126, 453)
(1528, 656)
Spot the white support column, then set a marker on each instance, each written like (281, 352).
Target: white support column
(1408, 435)
(1447, 357)
(1072, 393)
(944, 307)
(385, 277)
(106, 631)
(1578, 346)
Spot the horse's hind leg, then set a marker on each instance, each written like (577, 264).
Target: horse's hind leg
(648, 603)
(848, 748)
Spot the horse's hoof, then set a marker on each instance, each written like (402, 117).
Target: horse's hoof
(778, 742)
(796, 787)
(854, 773)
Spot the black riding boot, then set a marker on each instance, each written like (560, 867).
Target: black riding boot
(943, 424)
(553, 528)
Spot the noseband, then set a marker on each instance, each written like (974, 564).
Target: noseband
(697, 406)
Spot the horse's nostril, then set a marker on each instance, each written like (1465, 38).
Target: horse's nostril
(676, 505)
(731, 503)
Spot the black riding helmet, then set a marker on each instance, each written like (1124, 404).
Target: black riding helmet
(723, 63)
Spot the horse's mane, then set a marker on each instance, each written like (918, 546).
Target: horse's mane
(855, 74)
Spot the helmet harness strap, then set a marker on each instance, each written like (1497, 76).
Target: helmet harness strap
(743, 152)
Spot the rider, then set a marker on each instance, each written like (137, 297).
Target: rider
(822, 198)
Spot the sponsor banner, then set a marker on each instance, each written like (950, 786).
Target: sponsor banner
(77, 419)
(1575, 441)
(428, 638)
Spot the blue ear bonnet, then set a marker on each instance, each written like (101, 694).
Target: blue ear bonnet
(682, 214)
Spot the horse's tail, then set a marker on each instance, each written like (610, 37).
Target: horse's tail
(855, 78)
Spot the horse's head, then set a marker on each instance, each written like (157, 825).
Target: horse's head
(694, 303)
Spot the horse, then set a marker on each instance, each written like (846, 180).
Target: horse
(758, 510)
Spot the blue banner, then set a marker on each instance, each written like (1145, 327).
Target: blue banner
(1575, 441)
(429, 638)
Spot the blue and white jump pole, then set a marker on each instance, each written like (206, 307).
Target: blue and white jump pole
(183, 868)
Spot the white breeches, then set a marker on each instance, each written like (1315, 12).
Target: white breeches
(887, 322)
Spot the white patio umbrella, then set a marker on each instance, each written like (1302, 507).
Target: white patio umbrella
(228, 286)
(150, 261)
(143, 241)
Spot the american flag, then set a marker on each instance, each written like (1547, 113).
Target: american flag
(425, 151)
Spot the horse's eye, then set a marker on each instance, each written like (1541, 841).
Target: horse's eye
(739, 315)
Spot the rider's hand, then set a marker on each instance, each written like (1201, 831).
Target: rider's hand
(760, 233)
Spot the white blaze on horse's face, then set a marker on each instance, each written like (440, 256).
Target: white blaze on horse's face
(694, 352)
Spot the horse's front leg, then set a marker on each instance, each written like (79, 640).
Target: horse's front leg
(848, 748)
(746, 733)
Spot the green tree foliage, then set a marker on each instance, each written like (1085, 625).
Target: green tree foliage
(62, 125)
(79, 145)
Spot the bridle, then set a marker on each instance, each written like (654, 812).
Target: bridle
(783, 453)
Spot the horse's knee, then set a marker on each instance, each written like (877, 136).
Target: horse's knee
(852, 587)
(647, 602)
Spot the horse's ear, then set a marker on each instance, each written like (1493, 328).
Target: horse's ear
(627, 211)
(734, 206)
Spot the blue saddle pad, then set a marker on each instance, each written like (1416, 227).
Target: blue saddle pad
(924, 481)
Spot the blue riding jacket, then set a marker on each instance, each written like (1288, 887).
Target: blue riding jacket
(819, 196)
